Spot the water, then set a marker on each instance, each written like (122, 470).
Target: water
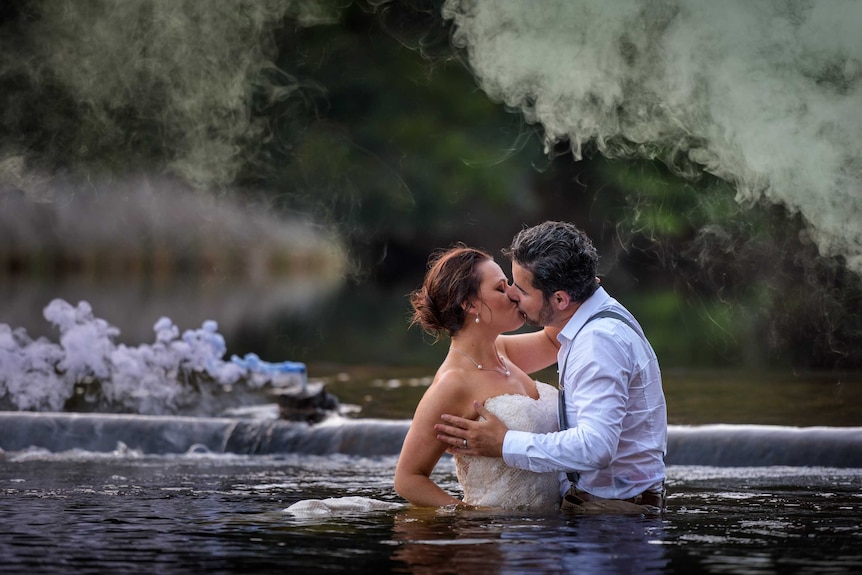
(197, 473)
(207, 487)
(85, 512)
(166, 514)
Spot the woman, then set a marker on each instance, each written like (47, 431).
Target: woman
(464, 296)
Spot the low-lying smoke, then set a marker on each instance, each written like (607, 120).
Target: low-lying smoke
(765, 95)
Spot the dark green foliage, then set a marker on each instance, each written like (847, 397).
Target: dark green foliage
(369, 122)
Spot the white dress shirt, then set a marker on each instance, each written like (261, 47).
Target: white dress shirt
(615, 406)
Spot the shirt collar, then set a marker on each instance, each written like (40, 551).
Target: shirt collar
(589, 307)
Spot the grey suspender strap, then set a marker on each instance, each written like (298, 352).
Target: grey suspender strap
(561, 408)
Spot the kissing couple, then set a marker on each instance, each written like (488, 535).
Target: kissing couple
(595, 445)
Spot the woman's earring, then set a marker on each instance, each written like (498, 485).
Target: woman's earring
(477, 318)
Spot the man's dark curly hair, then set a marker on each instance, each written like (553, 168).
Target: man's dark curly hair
(560, 256)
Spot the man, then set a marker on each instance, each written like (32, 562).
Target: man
(613, 413)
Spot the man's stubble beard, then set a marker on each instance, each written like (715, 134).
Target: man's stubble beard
(544, 318)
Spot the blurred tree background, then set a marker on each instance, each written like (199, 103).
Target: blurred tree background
(370, 124)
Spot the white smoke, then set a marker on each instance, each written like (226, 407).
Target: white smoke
(175, 374)
(767, 95)
(184, 69)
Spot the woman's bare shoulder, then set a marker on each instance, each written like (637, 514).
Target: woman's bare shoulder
(449, 380)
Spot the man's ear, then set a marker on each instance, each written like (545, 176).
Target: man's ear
(560, 300)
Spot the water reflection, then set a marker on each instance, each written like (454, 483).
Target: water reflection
(431, 541)
(224, 514)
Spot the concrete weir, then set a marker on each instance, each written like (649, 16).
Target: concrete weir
(712, 445)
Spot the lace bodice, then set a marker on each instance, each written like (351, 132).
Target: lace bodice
(489, 482)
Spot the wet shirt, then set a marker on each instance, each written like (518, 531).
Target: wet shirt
(615, 406)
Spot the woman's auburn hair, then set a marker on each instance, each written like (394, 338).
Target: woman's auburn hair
(452, 280)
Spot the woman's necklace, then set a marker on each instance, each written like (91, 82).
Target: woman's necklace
(505, 371)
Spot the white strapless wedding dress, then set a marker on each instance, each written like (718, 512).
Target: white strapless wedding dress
(489, 482)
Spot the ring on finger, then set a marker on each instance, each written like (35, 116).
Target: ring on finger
(465, 443)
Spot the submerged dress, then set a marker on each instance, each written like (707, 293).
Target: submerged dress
(489, 482)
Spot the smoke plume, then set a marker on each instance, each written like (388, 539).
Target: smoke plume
(161, 85)
(767, 95)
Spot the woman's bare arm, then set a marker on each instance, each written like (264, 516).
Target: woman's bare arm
(421, 450)
(531, 351)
